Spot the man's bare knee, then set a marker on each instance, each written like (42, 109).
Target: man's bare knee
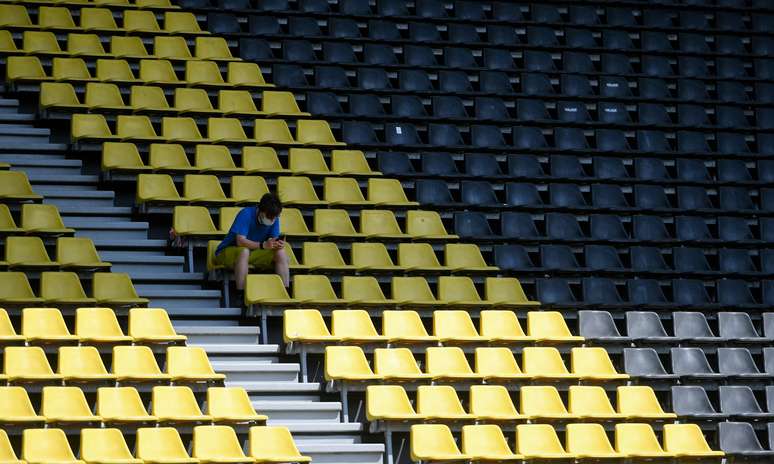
(280, 257)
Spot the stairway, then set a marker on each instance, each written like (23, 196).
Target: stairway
(271, 381)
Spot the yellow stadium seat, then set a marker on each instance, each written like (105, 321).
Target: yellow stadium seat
(274, 444)
(347, 363)
(59, 95)
(364, 291)
(498, 363)
(440, 402)
(15, 290)
(589, 442)
(98, 19)
(405, 327)
(293, 224)
(455, 327)
(216, 158)
(334, 223)
(7, 224)
(267, 290)
(28, 253)
(594, 363)
(306, 326)
(193, 101)
(40, 43)
(128, 47)
(280, 104)
(591, 402)
(183, 130)
(7, 331)
(502, 326)
(104, 96)
(372, 257)
(27, 364)
(244, 74)
(122, 405)
(14, 185)
(687, 440)
(213, 48)
(226, 130)
(7, 454)
(45, 325)
(459, 292)
(181, 22)
(298, 191)
(115, 71)
(413, 292)
(116, 289)
(157, 188)
(272, 131)
(47, 446)
(14, 16)
(388, 192)
(638, 441)
(315, 132)
(22, 68)
(66, 404)
(308, 161)
(539, 441)
(82, 364)
(78, 253)
(90, 126)
(153, 4)
(63, 288)
(104, 446)
(55, 18)
(148, 98)
(228, 214)
(315, 290)
(7, 45)
(639, 401)
(397, 364)
(248, 189)
(136, 363)
(158, 72)
(204, 188)
(389, 403)
(16, 408)
(43, 219)
(161, 445)
(237, 102)
(217, 444)
(549, 326)
(136, 128)
(493, 402)
(152, 325)
(434, 443)
(545, 362)
(171, 48)
(169, 158)
(231, 404)
(99, 325)
(193, 221)
(426, 225)
(212, 266)
(506, 293)
(351, 163)
(381, 224)
(176, 404)
(190, 363)
(324, 256)
(466, 257)
(261, 160)
(419, 257)
(140, 21)
(204, 74)
(354, 326)
(449, 363)
(487, 443)
(70, 69)
(85, 45)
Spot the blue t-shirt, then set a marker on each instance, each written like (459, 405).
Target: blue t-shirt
(246, 223)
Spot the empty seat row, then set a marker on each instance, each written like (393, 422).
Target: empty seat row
(168, 157)
(36, 219)
(28, 364)
(646, 327)
(210, 443)
(306, 326)
(739, 439)
(42, 43)
(584, 443)
(123, 405)
(454, 292)
(57, 18)
(64, 288)
(391, 404)
(74, 253)
(94, 127)
(348, 367)
(691, 365)
(28, 69)
(735, 401)
(92, 326)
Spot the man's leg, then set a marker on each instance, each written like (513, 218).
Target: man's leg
(282, 266)
(241, 268)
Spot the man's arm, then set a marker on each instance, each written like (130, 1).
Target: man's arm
(243, 241)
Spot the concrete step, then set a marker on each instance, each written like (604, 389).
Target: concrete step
(48, 167)
(223, 339)
(118, 230)
(280, 391)
(166, 278)
(134, 246)
(31, 145)
(132, 264)
(20, 132)
(65, 182)
(289, 412)
(363, 453)
(191, 298)
(250, 372)
(329, 432)
(77, 198)
(15, 158)
(123, 212)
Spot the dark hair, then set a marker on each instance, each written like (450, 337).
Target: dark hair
(270, 205)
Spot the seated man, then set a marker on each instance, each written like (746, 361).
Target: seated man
(254, 241)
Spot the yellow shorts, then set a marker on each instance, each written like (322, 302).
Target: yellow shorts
(260, 259)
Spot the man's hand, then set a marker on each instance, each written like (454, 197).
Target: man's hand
(274, 244)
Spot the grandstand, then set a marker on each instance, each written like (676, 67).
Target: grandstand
(518, 231)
